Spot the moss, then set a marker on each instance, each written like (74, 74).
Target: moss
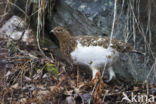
(52, 68)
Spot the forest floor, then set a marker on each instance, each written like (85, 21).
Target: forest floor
(27, 77)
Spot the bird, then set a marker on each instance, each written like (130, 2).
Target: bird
(97, 52)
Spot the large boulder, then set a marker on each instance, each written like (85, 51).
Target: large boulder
(92, 17)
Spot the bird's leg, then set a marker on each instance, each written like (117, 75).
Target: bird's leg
(94, 71)
(95, 76)
(111, 74)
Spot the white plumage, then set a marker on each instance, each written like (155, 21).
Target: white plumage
(95, 57)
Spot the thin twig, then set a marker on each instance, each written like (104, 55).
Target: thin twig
(114, 18)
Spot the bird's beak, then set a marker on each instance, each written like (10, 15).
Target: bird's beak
(52, 31)
(53, 37)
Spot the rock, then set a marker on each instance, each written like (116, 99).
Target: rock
(93, 17)
(14, 28)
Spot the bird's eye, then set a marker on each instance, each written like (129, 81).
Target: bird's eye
(59, 30)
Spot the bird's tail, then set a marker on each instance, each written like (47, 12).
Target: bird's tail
(138, 52)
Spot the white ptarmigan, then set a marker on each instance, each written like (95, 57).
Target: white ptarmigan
(96, 52)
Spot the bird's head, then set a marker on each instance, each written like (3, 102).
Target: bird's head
(60, 33)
